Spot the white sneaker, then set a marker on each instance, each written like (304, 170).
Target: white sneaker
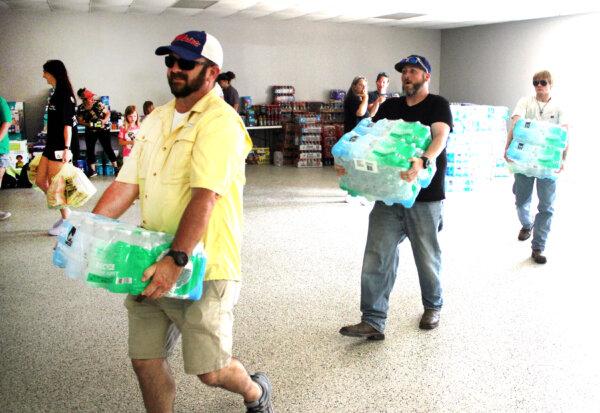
(57, 223)
(4, 215)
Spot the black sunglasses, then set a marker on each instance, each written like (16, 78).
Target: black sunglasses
(182, 63)
(540, 82)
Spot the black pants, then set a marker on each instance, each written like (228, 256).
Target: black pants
(91, 136)
(75, 146)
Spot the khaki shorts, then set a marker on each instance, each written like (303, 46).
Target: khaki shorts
(205, 326)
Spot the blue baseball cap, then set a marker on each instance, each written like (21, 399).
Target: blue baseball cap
(414, 60)
(194, 45)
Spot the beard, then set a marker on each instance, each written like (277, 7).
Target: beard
(181, 90)
(412, 88)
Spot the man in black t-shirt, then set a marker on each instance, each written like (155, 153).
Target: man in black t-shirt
(390, 225)
(377, 97)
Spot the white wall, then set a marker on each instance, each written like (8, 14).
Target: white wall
(494, 65)
(113, 54)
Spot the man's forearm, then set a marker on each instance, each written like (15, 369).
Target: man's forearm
(439, 134)
(117, 198)
(194, 221)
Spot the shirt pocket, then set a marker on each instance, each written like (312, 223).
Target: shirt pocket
(177, 168)
(145, 157)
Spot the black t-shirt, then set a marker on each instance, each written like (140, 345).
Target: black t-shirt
(61, 113)
(375, 94)
(231, 96)
(432, 109)
(351, 104)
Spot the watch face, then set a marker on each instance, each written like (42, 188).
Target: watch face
(180, 258)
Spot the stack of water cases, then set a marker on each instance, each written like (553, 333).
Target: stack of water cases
(113, 255)
(308, 140)
(537, 149)
(374, 154)
(475, 146)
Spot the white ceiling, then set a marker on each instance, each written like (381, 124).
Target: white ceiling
(433, 14)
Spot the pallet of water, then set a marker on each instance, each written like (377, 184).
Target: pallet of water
(475, 146)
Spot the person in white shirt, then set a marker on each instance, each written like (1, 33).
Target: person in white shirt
(542, 107)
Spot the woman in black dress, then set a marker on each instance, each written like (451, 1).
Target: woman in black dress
(355, 103)
(61, 120)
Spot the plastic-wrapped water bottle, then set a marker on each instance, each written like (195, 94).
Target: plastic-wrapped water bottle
(113, 255)
(375, 154)
(537, 148)
(64, 241)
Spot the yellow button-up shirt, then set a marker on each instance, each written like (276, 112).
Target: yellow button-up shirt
(206, 150)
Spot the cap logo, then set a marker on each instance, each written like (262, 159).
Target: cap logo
(187, 39)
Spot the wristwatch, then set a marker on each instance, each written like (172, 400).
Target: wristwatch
(426, 162)
(180, 257)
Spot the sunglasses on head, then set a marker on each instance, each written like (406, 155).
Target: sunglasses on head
(414, 60)
(540, 82)
(182, 63)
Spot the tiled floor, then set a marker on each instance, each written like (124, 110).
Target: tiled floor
(514, 336)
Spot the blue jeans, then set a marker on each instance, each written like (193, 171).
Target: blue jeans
(546, 192)
(388, 227)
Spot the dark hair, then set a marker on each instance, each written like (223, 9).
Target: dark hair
(228, 76)
(146, 106)
(58, 70)
(380, 75)
(80, 92)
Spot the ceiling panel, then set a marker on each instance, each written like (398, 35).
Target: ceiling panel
(145, 9)
(111, 2)
(180, 11)
(101, 8)
(434, 14)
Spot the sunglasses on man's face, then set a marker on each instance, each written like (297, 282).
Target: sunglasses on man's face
(182, 63)
(540, 82)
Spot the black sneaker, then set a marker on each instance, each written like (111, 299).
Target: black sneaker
(92, 174)
(262, 405)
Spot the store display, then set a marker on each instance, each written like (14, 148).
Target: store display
(330, 134)
(113, 255)
(15, 130)
(537, 149)
(475, 146)
(374, 154)
(282, 94)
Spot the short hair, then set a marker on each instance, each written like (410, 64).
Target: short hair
(380, 75)
(228, 76)
(146, 106)
(543, 74)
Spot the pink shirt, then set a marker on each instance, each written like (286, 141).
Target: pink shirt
(128, 134)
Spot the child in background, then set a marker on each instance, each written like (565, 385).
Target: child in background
(19, 163)
(129, 130)
(147, 108)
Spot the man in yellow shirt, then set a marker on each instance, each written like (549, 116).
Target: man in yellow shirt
(187, 169)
